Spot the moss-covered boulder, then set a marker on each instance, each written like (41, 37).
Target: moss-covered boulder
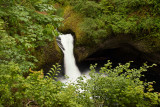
(48, 55)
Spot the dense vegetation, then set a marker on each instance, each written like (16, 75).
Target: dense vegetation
(25, 26)
(102, 19)
(121, 87)
(28, 24)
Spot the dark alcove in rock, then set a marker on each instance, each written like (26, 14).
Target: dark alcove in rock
(122, 54)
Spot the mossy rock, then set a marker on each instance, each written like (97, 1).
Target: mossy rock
(48, 54)
(72, 21)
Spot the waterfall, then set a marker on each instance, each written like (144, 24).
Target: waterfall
(65, 42)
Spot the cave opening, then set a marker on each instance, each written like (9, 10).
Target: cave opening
(123, 54)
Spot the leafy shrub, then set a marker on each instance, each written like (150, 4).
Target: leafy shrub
(11, 52)
(90, 9)
(119, 86)
(25, 25)
(19, 91)
(94, 30)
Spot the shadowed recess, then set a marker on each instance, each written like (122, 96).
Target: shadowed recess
(122, 54)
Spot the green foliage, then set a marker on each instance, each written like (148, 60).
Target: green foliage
(19, 91)
(119, 86)
(54, 71)
(90, 9)
(11, 52)
(94, 26)
(30, 25)
(24, 26)
(135, 18)
(120, 25)
(106, 6)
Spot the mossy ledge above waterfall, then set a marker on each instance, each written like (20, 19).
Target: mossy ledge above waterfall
(104, 24)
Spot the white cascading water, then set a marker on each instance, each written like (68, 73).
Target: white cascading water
(65, 42)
